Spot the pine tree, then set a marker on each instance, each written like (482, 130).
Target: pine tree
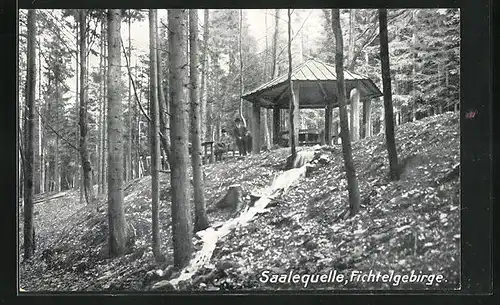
(28, 156)
(200, 214)
(352, 182)
(116, 215)
(179, 127)
(388, 110)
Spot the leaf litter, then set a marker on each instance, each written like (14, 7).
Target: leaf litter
(410, 224)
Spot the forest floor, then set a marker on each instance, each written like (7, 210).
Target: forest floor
(405, 225)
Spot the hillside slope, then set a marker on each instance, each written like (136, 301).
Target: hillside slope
(411, 224)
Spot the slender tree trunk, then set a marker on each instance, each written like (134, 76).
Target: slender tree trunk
(155, 139)
(57, 170)
(200, 214)
(265, 112)
(84, 153)
(43, 149)
(104, 146)
(293, 136)
(137, 137)
(179, 126)
(162, 103)
(116, 215)
(204, 71)
(128, 170)
(101, 113)
(77, 111)
(386, 79)
(274, 69)
(29, 229)
(241, 72)
(352, 16)
(47, 114)
(38, 130)
(352, 182)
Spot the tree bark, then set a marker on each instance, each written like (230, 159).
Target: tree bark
(388, 110)
(104, 165)
(154, 134)
(352, 182)
(179, 126)
(37, 132)
(242, 117)
(204, 71)
(101, 112)
(57, 171)
(29, 229)
(128, 162)
(277, 117)
(41, 134)
(116, 214)
(84, 153)
(265, 112)
(350, 55)
(200, 214)
(293, 102)
(162, 103)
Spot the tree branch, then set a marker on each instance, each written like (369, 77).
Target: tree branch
(55, 131)
(135, 91)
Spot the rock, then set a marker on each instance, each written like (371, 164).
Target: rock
(310, 245)
(232, 199)
(226, 264)
(163, 285)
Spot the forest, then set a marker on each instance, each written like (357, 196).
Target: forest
(146, 161)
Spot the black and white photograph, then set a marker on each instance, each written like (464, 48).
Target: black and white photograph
(239, 150)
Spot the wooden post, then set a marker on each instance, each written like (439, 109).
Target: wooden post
(256, 127)
(382, 123)
(328, 122)
(276, 124)
(296, 116)
(354, 124)
(368, 117)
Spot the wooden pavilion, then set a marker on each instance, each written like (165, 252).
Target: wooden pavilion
(314, 85)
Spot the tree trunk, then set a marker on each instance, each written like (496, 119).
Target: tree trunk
(179, 126)
(242, 117)
(276, 118)
(77, 111)
(101, 112)
(154, 134)
(293, 97)
(104, 146)
(352, 182)
(37, 136)
(57, 170)
(265, 112)
(386, 79)
(204, 71)
(116, 215)
(162, 103)
(200, 214)
(275, 43)
(29, 229)
(352, 16)
(138, 135)
(84, 153)
(128, 169)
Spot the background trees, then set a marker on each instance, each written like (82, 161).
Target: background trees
(71, 112)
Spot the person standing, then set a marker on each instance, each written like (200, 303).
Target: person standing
(240, 133)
